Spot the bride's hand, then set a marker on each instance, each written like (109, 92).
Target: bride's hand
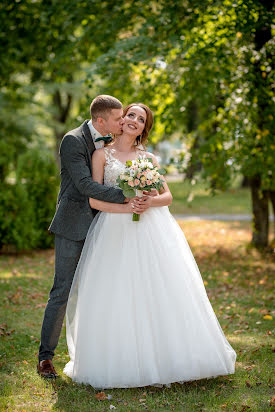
(152, 192)
(137, 205)
(143, 203)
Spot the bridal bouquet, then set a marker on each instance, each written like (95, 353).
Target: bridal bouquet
(139, 175)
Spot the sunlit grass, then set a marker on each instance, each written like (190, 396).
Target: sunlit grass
(196, 199)
(239, 283)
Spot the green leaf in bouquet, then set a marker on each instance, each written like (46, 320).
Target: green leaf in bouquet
(125, 186)
(162, 171)
(129, 192)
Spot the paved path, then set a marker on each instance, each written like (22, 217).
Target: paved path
(221, 216)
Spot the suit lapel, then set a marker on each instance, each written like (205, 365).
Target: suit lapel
(88, 137)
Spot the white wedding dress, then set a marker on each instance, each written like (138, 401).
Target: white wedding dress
(138, 313)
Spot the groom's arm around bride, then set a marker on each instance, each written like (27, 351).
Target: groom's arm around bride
(74, 215)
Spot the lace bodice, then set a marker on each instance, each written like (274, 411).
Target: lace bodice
(113, 167)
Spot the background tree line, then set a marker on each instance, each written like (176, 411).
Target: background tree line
(205, 68)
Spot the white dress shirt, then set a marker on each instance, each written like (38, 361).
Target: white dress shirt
(95, 134)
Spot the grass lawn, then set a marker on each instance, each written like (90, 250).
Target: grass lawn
(238, 281)
(188, 199)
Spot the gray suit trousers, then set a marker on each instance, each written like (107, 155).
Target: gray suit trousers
(67, 254)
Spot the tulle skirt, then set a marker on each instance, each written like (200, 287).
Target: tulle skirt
(138, 313)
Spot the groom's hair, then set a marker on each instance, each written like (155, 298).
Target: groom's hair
(102, 105)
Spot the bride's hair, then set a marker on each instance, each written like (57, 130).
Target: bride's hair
(142, 139)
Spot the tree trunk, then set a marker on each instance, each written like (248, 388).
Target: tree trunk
(272, 198)
(260, 213)
(260, 197)
(61, 115)
(245, 182)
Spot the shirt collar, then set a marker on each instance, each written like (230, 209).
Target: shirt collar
(95, 133)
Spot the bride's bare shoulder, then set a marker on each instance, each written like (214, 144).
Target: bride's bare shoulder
(98, 155)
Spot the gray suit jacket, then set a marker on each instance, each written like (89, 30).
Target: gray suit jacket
(73, 213)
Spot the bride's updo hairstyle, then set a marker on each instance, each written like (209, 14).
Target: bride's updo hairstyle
(143, 138)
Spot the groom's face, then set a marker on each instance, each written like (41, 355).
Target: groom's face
(114, 121)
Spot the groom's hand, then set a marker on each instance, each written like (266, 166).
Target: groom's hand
(129, 199)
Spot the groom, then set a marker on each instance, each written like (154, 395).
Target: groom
(74, 215)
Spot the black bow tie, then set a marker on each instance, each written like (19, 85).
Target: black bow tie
(106, 139)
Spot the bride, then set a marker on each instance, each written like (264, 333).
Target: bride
(138, 313)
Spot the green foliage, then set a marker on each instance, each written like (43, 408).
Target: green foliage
(204, 68)
(37, 172)
(28, 206)
(17, 226)
(206, 75)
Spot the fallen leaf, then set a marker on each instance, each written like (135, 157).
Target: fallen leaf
(40, 305)
(248, 384)
(269, 317)
(4, 330)
(248, 368)
(101, 396)
(264, 311)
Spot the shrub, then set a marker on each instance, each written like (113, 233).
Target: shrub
(16, 218)
(37, 171)
(27, 207)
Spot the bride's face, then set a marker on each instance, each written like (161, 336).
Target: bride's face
(134, 121)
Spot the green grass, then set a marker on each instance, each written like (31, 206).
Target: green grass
(239, 285)
(189, 199)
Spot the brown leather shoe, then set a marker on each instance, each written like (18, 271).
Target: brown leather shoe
(46, 370)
